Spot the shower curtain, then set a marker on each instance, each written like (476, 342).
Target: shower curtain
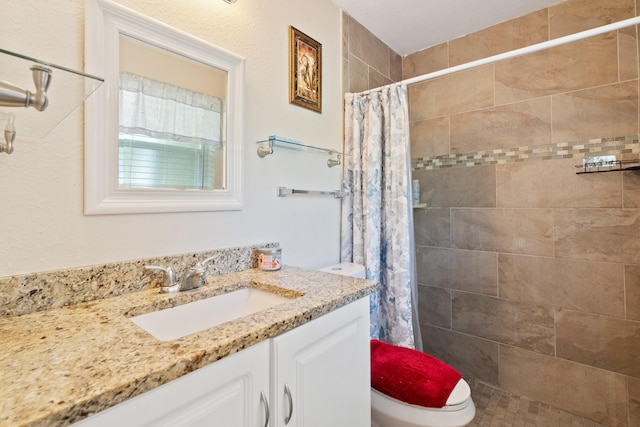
(377, 217)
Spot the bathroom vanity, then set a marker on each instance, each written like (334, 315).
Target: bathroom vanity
(303, 362)
(316, 374)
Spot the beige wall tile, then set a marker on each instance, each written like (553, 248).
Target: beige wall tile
(515, 125)
(345, 77)
(429, 138)
(634, 401)
(358, 75)
(555, 184)
(523, 325)
(632, 289)
(590, 392)
(598, 234)
(472, 357)
(573, 16)
(518, 231)
(463, 186)
(426, 61)
(605, 111)
(593, 88)
(589, 286)
(434, 306)
(395, 66)
(631, 189)
(510, 35)
(463, 270)
(599, 341)
(345, 34)
(367, 47)
(431, 227)
(376, 79)
(371, 62)
(628, 53)
(578, 65)
(455, 93)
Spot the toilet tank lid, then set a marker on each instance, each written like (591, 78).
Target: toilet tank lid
(346, 269)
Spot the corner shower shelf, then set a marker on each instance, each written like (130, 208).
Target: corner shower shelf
(609, 166)
(68, 89)
(266, 148)
(420, 206)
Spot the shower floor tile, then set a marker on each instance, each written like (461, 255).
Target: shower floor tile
(499, 408)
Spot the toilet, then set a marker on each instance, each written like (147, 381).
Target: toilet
(387, 411)
(347, 269)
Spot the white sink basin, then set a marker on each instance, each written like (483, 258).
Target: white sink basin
(176, 322)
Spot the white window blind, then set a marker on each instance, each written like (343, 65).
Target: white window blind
(169, 137)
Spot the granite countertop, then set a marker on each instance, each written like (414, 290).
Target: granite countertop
(60, 365)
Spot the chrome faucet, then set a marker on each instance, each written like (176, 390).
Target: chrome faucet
(169, 284)
(192, 278)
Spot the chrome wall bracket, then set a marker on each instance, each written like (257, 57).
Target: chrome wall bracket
(265, 151)
(9, 133)
(331, 162)
(14, 96)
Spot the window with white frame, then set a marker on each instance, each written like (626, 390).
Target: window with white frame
(169, 137)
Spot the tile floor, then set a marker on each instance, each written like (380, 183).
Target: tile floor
(498, 408)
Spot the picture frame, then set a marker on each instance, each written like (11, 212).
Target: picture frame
(305, 71)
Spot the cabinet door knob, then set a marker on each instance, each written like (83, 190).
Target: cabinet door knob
(290, 400)
(265, 404)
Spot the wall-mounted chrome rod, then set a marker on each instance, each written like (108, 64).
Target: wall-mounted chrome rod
(284, 192)
(518, 52)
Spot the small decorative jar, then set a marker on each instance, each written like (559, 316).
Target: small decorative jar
(269, 259)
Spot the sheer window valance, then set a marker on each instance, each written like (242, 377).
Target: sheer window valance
(169, 137)
(161, 110)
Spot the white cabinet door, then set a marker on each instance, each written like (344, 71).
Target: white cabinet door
(229, 393)
(321, 373)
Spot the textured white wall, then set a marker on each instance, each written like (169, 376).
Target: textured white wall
(41, 220)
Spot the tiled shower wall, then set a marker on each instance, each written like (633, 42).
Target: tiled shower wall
(529, 274)
(366, 61)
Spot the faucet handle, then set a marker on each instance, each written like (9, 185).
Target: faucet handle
(198, 269)
(169, 284)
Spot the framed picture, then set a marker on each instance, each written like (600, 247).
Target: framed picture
(305, 71)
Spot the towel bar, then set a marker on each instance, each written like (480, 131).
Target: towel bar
(284, 192)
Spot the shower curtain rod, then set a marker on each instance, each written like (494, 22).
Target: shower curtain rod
(517, 52)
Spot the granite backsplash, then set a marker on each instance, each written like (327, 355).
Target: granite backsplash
(27, 293)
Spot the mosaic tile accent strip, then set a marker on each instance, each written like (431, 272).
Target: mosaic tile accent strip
(27, 293)
(620, 146)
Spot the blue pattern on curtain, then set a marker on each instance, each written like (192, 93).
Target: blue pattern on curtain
(377, 217)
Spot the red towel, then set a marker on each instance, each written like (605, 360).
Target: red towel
(411, 376)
